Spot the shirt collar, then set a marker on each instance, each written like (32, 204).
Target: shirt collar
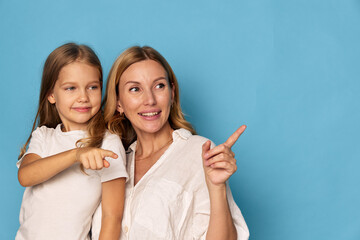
(180, 133)
(58, 131)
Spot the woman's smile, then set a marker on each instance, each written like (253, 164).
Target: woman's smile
(150, 115)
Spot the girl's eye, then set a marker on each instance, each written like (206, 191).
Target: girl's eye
(134, 89)
(93, 87)
(160, 85)
(69, 88)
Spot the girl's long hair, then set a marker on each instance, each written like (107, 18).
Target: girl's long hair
(47, 114)
(119, 124)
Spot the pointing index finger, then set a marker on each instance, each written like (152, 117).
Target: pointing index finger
(234, 137)
(107, 153)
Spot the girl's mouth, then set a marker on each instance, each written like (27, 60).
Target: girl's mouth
(82, 109)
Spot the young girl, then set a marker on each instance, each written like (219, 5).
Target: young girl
(64, 169)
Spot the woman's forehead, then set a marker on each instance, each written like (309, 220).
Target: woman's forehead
(146, 70)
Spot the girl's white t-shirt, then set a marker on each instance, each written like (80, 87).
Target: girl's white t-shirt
(62, 207)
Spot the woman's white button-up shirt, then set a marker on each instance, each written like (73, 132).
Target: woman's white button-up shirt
(171, 201)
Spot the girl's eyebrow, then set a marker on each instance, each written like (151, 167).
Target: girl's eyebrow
(95, 81)
(74, 82)
(67, 82)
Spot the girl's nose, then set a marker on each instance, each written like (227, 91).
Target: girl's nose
(83, 96)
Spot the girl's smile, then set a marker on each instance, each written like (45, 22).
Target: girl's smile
(82, 109)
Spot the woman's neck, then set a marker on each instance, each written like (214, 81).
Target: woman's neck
(150, 143)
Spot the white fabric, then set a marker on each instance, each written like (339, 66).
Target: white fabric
(62, 207)
(171, 201)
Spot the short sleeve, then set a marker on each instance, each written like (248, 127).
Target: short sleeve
(36, 144)
(117, 167)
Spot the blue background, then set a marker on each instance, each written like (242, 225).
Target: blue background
(288, 69)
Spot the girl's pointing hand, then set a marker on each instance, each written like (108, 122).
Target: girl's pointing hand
(94, 158)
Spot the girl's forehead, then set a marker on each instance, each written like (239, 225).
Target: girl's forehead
(79, 71)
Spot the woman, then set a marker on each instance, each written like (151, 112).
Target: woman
(177, 185)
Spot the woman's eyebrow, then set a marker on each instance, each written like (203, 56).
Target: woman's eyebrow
(136, 82)
(160, 78)
(132, 82)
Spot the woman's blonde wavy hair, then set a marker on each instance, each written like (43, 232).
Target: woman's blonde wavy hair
(118, 123)
(47, 114)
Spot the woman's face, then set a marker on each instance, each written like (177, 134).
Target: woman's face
(145, 96)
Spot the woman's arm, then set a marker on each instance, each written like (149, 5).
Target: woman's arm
(34, 169)
(221, 224)
(112, 203)
(219, 165)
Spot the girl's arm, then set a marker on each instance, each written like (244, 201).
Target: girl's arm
(219, 165)
(34, 169)
(112, 203)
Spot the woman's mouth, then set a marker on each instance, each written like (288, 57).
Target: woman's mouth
(150, 115)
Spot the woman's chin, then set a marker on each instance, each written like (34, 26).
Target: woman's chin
(152, 128)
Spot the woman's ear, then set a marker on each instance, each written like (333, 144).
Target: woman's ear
(172, 93)
(118, 107)
(51, 98)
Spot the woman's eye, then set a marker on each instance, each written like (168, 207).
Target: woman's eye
(134, 89)
(160, 85)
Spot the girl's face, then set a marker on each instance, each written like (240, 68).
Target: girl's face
(145, 96)
(77, 95)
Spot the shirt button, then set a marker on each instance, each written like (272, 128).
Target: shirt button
(126, 229)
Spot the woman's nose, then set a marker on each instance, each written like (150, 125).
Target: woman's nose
(149, 98)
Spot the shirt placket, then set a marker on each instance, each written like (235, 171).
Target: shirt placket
(129, 199)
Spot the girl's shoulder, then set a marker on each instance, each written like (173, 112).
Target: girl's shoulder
(111, 139)
(43, 131)
(111, 136)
